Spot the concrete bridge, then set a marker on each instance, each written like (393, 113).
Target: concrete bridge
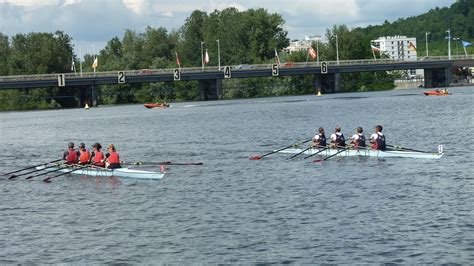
(437, 72)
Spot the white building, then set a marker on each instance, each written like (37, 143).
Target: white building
(398, 48)
(303, 45)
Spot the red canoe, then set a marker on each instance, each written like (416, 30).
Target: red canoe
(156, 105)
(436, 93)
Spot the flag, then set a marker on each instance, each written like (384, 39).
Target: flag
(177, 60)
(206, 58)
(374, 48)
(466, 44)
(277, 58)
(95, 64)
(312, 52)
(411, 46)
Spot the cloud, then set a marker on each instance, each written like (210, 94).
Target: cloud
(97, 21)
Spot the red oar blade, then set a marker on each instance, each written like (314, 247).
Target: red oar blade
(47, 180)
(317, 161)
(256, 157)
(29, 177)
(12, 177)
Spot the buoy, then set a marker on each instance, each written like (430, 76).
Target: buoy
(319, 93)
(86, 107)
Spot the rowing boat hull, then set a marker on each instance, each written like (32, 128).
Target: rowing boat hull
(368, 153)
(156, 105)
(119, 172)
(435, 93)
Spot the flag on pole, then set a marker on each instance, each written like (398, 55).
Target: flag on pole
(206, 58)
(277, 58)
(466, 44)
(312, 52)
(95, 64)
(411, 46)
(375, 49)
(177, 60)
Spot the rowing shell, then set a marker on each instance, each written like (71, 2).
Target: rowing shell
(371, 153)
(118, 172)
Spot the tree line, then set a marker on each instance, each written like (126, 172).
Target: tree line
(245, 37)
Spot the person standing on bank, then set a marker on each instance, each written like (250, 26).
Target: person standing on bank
(358, 139)
(337, 139)
(378, 139)
(112, 160)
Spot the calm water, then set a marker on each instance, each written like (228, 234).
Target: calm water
(233, 210)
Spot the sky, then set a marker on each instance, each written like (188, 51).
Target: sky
(91, 23)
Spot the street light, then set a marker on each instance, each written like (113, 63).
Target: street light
(426, 35)
(218, 54)
(449, 43)
(337, 51)
(202, 55)
(456, 39)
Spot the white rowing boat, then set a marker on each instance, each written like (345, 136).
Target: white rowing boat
(97, 171)
(370, 153)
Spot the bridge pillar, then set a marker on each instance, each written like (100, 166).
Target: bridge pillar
(94, 101)
(329, 83)
(437, 77)
(210, 89)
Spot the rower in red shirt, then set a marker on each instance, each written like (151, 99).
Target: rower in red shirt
(70, 155)
(84, 154)
(113, 158)
(97, 156)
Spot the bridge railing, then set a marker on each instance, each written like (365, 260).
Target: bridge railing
(143, 72)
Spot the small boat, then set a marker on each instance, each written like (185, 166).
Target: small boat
(371, 153)
(437, 93)
(98, 171)
(156, 105)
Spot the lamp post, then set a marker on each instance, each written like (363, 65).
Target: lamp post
(449, 43)
(202, 55)
(426, 35)
(456, 39)
(337, 51)
(218, 54)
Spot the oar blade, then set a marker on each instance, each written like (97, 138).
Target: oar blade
(47, 180)
(12, 177)
(29, 177)
(255, 158)
(317, 160)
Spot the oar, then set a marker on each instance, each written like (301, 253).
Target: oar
(163, 163)
(330, 156)
(16, 171)
(37, 170)
(55, 170)
(258, 157)
(407, 149)
(327, 147)
(293, 156)
(48, 179)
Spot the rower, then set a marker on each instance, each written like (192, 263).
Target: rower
(70, 155)
(358, 139)
(320, 139)
(113, 158)
(337, 139)
(97, 156)
(378, 139)
(84, 154)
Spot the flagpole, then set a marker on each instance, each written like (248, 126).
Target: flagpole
(93, 49)
(337, 51)
(218, 54)
(80, 59)
(465, 52)
(317, 51)
(202, 56)
(449, 43)
(307, 55)
(426, 36)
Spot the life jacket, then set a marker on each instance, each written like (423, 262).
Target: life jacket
(340, 140)
(84, 156)
(114, 158)
(321, 142)
(379, 142)
(360, 142)
(71, 156)
(97, 159)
